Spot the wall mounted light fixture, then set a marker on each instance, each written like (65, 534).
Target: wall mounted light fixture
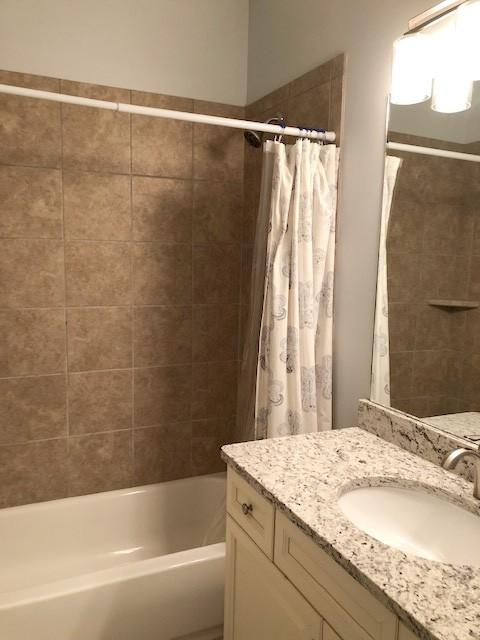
(446, 56)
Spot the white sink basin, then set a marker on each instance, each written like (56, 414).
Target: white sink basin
(416, 522)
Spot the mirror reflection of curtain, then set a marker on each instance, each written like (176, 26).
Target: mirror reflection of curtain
(293, 384)
(380, 384)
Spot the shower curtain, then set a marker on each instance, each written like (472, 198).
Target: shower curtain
(291, 325)
(380, 381)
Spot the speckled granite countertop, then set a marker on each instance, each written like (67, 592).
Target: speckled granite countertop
(304, 475)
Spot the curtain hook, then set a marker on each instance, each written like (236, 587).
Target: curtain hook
(279, 136)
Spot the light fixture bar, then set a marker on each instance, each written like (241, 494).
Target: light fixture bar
(430, 15)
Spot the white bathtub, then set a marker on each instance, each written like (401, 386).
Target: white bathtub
(136, 564)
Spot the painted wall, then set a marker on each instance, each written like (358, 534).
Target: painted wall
(287, 39)
(188, 48)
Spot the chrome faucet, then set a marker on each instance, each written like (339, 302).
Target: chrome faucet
(454, 458)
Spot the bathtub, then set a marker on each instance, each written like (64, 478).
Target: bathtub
(136, 564)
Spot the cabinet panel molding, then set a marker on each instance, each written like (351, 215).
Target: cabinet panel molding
(260, 603)
(254, 513)
(350, 609)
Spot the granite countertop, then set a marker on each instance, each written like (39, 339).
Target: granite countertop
(303, 475)
(465, 425)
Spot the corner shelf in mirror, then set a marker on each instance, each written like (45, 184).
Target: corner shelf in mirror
(455, 304)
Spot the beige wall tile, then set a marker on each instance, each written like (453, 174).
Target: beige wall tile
(99, 401)
(268, 102)
(162, 453)
(96, 206)
(162, 394)
(429, 372)
(161, 147)
(162, 209)
(403, 271)
(99, 338)
(474, 292)
(405, 227)
(476, 236)
(32, 408)
(100, 462)
(217, 153)
(208, 436)
(98, 273)
(401, 374)
(31, 273)
(444, 277)
(214, 389)
(246, 275)
(402, 320)
(215, 332)
(217, 212)
(317, 76)
(472, 334)
(471, 378)
(31, 202)
(448, 229)
(163, 335)
(250, 211)
(455, 377)
(417, 406)
(29, 129)
(335, 118)
(311, 108)
(33, 341)
(33, 472)
(95, 139)
(433, 328)
(163, 273)
(216, 273)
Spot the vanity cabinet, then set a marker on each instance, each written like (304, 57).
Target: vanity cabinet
(261, 602)
(281, 586)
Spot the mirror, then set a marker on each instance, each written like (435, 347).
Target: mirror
(426, 359)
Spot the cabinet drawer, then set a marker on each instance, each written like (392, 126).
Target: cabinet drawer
(343, 603)
(254, 513)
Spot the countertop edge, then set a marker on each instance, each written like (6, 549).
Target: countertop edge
(412, 623)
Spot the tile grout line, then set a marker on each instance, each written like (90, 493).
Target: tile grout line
(192, 281)
(132, 307)
(67, 402)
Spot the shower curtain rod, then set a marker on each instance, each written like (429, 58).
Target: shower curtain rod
(429, 151)
(325, 136)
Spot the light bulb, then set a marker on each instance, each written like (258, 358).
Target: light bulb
(452, 86)
(411, 73)
(451, 94)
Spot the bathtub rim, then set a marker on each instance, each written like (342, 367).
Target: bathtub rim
(102, 495)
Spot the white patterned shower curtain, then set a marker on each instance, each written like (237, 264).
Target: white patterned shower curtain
(294, 368)
(380, 382)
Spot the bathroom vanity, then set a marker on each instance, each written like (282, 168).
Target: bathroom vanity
(298, 568)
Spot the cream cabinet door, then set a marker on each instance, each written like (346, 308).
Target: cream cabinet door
(260, 603)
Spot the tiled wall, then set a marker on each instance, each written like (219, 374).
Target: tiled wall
(120, 265)
(313, 100)
(433, 252)
(125, 257)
